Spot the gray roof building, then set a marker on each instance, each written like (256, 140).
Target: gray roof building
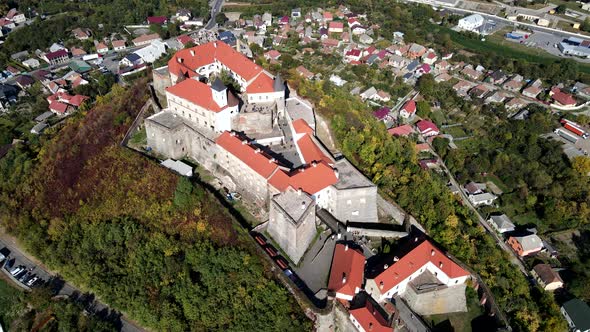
(501, 223)
(577, 314)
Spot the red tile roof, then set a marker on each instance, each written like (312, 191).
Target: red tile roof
(262, 84)
(346, 273)
(77, 100)
(414, 261)
(157, 19)
(118, 43)
(563, 98)
(57, 54)
(197, 93)
(336, 25)
(313, 178)
(184, 39)
(58, 107)
(370, 319)
(427, 126)
(403, 130)
(250, 155)
(207, 54)
(410, 106)
(302, 127)
(310, 151)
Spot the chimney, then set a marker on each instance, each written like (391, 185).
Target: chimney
(314, 164)
(432, 252)
(381, 285)
(299, 192)
(385, 266)
(395, 258)
(233, 134)
(302, 205)
(370, 326)
(416, 239)
(343, 277)
(339, 235)
(179, 60)
(192, 52)
(244, 142)
(215, 44)
(336, 173)
(440, 265)
(346, 248)
(271, 160)
(257, 150)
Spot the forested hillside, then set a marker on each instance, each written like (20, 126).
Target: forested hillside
(147, 242)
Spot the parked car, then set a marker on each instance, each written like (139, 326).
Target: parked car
(32, 281)
(17, 270)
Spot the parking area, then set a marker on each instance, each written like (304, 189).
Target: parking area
(580, 148)
(22, 271)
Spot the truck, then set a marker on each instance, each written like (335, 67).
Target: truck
(574, 128)
(567, 136)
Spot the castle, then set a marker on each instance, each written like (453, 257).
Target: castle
(257, 141)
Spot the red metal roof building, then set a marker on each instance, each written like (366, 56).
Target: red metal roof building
(427, 128)
(562, 98)
(346, 273)
(408, 109)
(403, 130)
(368, 319)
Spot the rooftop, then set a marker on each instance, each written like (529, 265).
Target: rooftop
(350, 177)
(294, 203)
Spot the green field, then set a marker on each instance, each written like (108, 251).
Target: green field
(9, 304)
(496, 45)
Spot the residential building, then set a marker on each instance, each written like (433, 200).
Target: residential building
(427, 128)
(482, 199)
(546, 277)
(346, 272)
(336, 27)
(57, 57)
(525, 245)
(532, 91)
(562, 98)
(577, 315)
(31, 63)
(158, 20)
(153, 52)
(272, 55)
(403, 130)
(119, 45)
(305, 73)
(369, 319)
(408, 110)
(471, 73)
(82, 33)
(15, 16)
(24, 81)
(429, 58)
(102, 48)
(501, 223)
(146, 39)
(416, 51)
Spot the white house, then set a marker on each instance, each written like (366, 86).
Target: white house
(501, 224)
(482, 199)
(31, 63)
(153, 52)
(471, 23)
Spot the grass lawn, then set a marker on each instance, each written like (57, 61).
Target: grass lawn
(496, 180)
(9, 304)
(496, 45)
(469, 144)
(438, 117)
(455, 131)
(139, 138)
(460, 321)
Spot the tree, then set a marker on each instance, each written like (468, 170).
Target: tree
(561, 9)
(586, 25)
(221, 19)
(426, 86)
(581, 164)
(423, 109)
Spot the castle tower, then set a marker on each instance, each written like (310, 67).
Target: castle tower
(219, 92)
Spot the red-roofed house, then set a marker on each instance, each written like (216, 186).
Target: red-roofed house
(368, 319)
(427, 128)
(429, 58)
(353, 55)
(346, 273)
(403, 130)
(562, 98)
(424, 257)
(336, 27)
(210, 106)
(272, 55)
(101, 48)
(57, 57)
(58, 108)
(305, 72)
(409, 109)
(119, 45)
(161, 20)
(184, 39)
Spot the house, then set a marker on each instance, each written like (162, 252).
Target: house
(272, 55)
(24, 81)
(346, 272)
(284, 20)
(57, 57)
(442, 65)
(146, 39)
(119, 45)
(327, 16)
(12, 70)
(353, 55)
(474, 188)
(501, 223)
(532, 91)
(403, 130)
(305, 73)
(358, 30)
(78, 52)
(80, 66)
(365, 39)
(397, 61)
(496, 97)
(562, 98)
(546, 277)
(31, 63)
(337, 80)
(228, 37)
(471, 73)
(336, 27)
(408, 110)
(416, 51)
(471, 23)
(429, 58)
(368, 318)
(423, 69)
(353, 22)
(369, 93)
(183, 15)
(516, 103)
(514, 84)
(427, 128)
(482, 199)
(296, 13)
(525, 245)
(443, 77)
(267, 19)
(577, 315)
(131, 60)
(497, 77)
(153, 52)
(6, 23)
(101, 48)
(159, 20)
(382, 114)
(39, 128)
(15, 16)
(424, 258)
(82, 33)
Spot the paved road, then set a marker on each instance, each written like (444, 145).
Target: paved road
(215, 9)
(23, 258)
(513, 258)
